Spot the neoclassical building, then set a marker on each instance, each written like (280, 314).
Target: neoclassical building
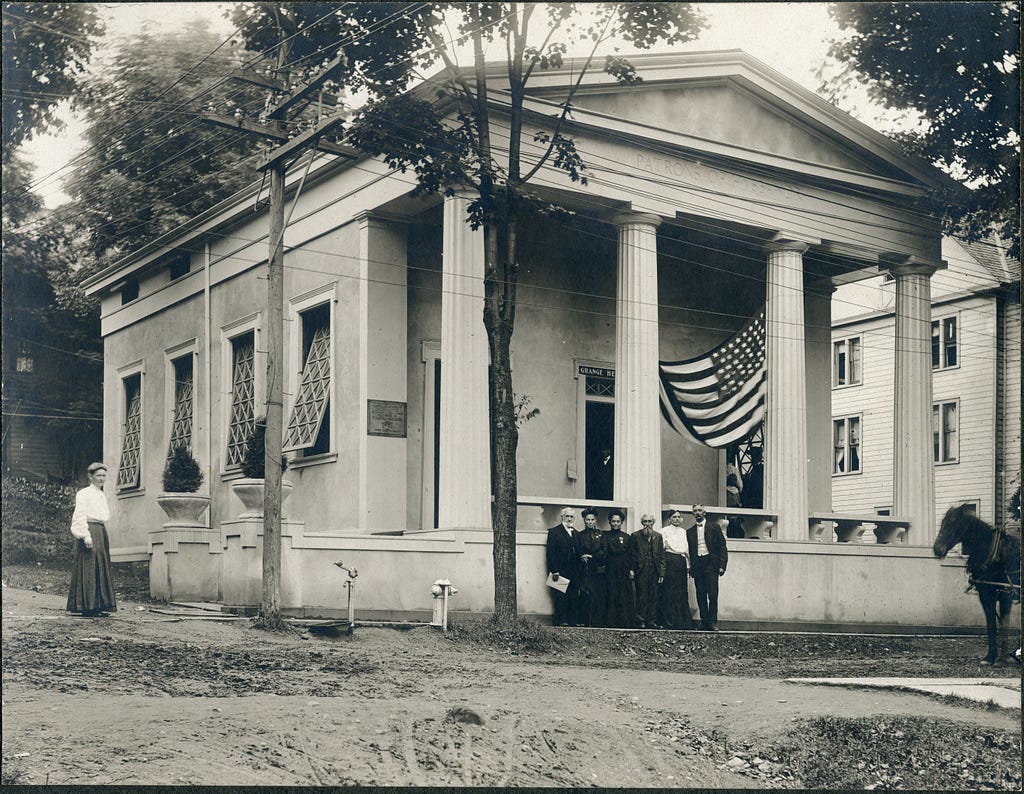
(716, 189)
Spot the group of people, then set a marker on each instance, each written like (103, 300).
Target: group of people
(608, 578)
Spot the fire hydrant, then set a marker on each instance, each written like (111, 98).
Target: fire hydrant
(441, 591)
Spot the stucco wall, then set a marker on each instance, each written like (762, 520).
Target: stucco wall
(134, 512)
(326, 492)
(766, 582)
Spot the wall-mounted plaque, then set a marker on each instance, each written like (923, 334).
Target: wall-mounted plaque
(385, 418)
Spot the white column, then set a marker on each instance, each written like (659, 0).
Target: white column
(785, 490)
(913, 467)
(383, 247)
(637, 484)
(464, 479)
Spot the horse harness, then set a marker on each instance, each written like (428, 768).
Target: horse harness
(990, 559)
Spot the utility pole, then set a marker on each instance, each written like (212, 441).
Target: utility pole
(276, 162)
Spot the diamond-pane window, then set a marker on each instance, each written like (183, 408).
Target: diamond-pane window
(600, 387)
(243, 396)
(311, 402)
(181, 426)
(129, 470)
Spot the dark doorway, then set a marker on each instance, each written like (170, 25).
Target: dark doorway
(600, 444)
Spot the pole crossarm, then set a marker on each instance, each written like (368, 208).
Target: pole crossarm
(259, 80)
(302, 93)
(245, 126)
(302, 141)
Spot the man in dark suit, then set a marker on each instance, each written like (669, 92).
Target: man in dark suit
(564, 562)
(752, 495)
(647, 552)
(709, 558)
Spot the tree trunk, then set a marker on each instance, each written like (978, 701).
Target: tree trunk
(499, 320)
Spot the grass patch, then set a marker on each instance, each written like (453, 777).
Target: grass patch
(271, 622)
(36, 520)
(523, 636)
(131, 579)
(901, 752)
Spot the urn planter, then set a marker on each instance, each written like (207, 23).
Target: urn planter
(250, 493)
(184, 508)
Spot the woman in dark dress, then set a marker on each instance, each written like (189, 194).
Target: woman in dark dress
(620, 609)
(594, 596)
(92, 589)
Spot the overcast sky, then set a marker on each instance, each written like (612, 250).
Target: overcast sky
(792, 38)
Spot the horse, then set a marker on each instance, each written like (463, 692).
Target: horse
(993, 566)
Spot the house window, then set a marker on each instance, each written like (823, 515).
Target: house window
(179, 267)
(24, 362)
(129, 292)
(846, 362)
(944, 343)
(129, 470)
(846, 445)
(242, 422)
(945, 432)
(309, 427)
(184, 402)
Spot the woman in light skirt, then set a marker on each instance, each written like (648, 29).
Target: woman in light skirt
(92, 589)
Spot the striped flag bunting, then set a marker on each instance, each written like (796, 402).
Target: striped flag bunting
(718, 398)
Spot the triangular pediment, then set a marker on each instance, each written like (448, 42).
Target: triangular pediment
(732, 103)
(726, 114)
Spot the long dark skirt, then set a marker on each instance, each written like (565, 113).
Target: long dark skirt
(92, 589)
(620, 606)
(674, 600)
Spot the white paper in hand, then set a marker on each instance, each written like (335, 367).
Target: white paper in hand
(562, 584)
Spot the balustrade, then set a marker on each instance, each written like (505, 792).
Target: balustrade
(537, 513)
(851, 528)
(757, 524)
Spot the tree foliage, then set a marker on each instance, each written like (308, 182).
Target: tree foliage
(382, 42)
(445, 130)
(45, 314)
(957, 64)
(151, 163)
(46, 47)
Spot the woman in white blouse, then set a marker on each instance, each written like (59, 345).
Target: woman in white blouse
(92, 589)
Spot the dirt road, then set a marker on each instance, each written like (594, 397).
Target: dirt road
(141, 698)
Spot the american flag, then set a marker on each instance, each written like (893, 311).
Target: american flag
(719, 397)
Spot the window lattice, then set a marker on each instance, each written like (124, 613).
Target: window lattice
(311, 401)
(181, 427)
(600, 387)
(243, 401)
(128, 473)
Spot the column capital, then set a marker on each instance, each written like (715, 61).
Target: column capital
(378, 218)
(902, 265)
(783, 241)
(821, 287)
(636, 219)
